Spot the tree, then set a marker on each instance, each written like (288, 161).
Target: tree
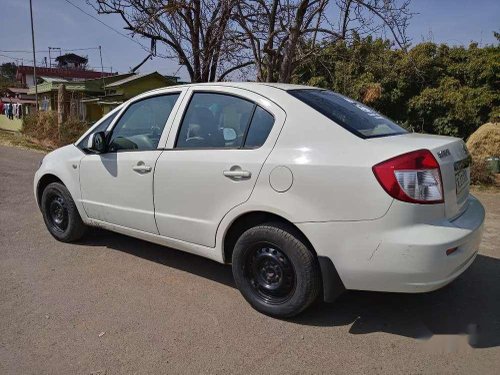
(214, 38)
(429, 88)
(8, 76)
(8, 71)
(199, 33)
(283, 34)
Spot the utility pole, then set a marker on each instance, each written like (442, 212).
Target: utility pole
(102, 72)
(34, 56)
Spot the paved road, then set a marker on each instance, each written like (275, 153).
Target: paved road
(116, 305)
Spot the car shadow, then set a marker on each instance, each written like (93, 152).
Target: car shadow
(468, 306)
(160, 254)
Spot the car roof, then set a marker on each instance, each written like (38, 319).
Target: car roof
(267, 89)
(248, 85)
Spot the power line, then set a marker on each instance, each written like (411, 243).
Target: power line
(109, 27)
(16, 58)
(46, 50)
(23, 51)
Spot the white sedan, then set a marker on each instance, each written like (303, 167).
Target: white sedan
(304, 191)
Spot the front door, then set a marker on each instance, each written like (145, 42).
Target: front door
(117, 186)
(213, 161)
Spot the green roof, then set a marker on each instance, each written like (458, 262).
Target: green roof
(136, 77)
(89, 85)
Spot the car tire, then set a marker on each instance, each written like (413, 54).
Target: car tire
(275, 270)
(60, 213)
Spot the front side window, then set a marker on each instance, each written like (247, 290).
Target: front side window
(142, 124)
(99, 128)
(215, 120)
(356, 117)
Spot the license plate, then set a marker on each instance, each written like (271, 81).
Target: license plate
(461, 180)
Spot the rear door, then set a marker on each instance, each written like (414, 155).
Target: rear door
(213, 158)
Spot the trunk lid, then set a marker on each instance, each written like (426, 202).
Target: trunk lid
(452, 156)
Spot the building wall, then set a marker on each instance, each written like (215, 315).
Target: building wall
(139, 86)
(30, 81)
(94, 112)
(12, 125)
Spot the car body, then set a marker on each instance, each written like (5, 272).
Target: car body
(316, 175)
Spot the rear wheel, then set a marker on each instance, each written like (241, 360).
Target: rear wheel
(60, 213)
(275, 271)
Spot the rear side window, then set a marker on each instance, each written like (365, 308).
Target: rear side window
(217, 120)
(214, 120)
(260, 127)
(356, 117)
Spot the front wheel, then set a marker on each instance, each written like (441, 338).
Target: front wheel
(275, 271)
(60, 213)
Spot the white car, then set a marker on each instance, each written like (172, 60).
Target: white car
(306, 192)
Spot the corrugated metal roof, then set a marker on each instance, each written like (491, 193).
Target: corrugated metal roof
(16, 100)
(132, 78)
(125, 80)
(18, 90)
(53, 79)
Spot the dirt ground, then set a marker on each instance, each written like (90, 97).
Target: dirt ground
(117, 305)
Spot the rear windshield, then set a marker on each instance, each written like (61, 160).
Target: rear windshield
(359, 119)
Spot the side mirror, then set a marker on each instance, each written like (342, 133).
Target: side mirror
(98, 143)
(229, 134)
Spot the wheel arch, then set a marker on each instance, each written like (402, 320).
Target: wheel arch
(250, 219)
(43, 182)
(332, 285)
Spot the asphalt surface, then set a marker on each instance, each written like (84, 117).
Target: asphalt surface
(116, 305)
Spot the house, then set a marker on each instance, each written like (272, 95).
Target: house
(22, 103)
(70, 67)
(124, 89)
(77, 92)
(71, 61)
(90, 99)
(17, 94)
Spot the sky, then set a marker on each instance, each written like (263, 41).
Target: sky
(59, 24)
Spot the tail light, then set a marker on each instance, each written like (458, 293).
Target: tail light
(413, 177)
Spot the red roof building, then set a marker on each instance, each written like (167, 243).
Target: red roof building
(25, 74)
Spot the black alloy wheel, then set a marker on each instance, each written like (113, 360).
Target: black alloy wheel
(57, 211)
(60, 213)
(270, 273)
(275, 270)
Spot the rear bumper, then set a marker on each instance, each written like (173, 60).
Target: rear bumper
(394, 255)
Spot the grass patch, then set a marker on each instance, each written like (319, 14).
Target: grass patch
(17, 139)
(495, 188)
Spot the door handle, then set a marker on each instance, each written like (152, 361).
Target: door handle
(142, 168)
(236, 173)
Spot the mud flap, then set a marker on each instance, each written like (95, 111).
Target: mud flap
(333, 286)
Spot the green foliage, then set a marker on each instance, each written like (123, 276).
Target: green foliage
(8, 71)
(431, 88)
(8, 76)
